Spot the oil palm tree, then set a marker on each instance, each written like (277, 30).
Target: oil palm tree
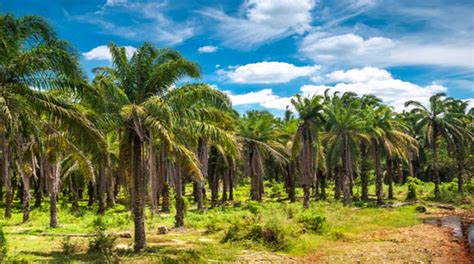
(434, 121)
(257, 132)
(311, 118)
(33, 60)
(346, 129)
(388, 136)
(153, 113)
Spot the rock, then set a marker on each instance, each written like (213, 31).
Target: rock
(123, 234)
(421, 209)
(162, 230)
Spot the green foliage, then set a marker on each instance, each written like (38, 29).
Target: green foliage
(254, 207)
(3, 245)
(101, 242)
(448, 191)
(69, 247)
(413, 185)
(311, 221)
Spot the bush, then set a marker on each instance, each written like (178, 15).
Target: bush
(276, 190)
(254, 207)
(413, 184)
(102, 243)
(3, 245)
(69, 247)
(449, 191)
(311, 221)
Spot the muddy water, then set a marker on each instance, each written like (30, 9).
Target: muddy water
(460, 228)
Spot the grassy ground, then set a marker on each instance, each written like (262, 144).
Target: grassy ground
(225, 233)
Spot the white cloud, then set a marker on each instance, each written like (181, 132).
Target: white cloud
(103, 53)
(352, 49)
(268, 72)
(207, 49)
(262, 21)
(376, 82)
(265, 98)
(115, 2)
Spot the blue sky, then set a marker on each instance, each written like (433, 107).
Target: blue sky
(262, 52)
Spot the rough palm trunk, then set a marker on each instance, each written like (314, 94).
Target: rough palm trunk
(290, 183)
(364, 174)
(398, 167)
(323, 185)
(390, 178)
(347, 176)
(306, 191)
(255, 173)
(26, 195)
(74, 194)
(179, 217)
(231, 183)
(101, 189)
(110, 185)
(7, 178)
(460, 173)
(91, 193)
(53, 187)
(53, 212)
(165, 205)
(337, 183)
(139, 183)
(225, 184)
(203, 157)
(378, 174)
(435, 165)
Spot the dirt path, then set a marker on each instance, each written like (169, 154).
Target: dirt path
(418, 244)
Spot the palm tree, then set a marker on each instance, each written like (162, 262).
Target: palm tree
(34, 60)
(258, 135)
(387, 136)
(435, 121)
(151, 113)
(346, 129)
(310, 111)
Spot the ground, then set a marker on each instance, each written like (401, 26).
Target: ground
(362, 233)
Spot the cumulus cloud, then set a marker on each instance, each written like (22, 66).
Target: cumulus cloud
(268, 72)
(103, 53)
(264, 97)
(207, 49)
(262, 21)
(378, 82)
(352, 49)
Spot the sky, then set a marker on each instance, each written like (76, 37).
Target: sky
(263, 52)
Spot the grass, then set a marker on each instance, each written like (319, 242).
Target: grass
(273, 225)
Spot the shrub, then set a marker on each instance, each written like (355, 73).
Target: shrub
(69, 247)
(276, 190)
(311, 221)
(254, 207)
(213, 227)
(413, 184)
(449, 191)
(102, 243)
(3, 245)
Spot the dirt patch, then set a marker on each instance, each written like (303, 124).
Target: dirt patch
(418, 244)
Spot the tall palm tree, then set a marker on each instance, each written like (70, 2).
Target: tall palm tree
(258, 135)
(346, 129)
(387, 136)
(33, 60)
(434, 121)
(310, 112)
(152, 112)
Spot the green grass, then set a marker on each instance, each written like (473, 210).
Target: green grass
(273, 225)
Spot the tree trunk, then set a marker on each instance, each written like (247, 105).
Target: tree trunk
(347, 177)
(179, 217)
(101, 189)
(110, 186)
(390, 178)
(460, 173)
(378, 174)
(306, 191)
(364, 174)
(337, 183)
(165, 206)
(53, 211)
(323, 186)
(7, 178)
(74, 194)
(231, 183)
(91, 193)
(139, 184)
(398, 167)
(290, 183)
(26, 195)
(435, 165)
